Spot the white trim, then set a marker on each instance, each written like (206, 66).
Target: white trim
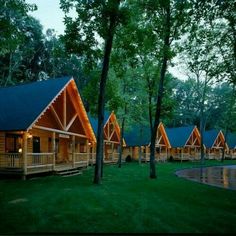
(37, 166)
(80, 115)
(59, 131)
(189, 137)
(71, 122)
(57, 117)
(58, 94)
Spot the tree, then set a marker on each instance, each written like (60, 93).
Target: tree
(205, 57)
(131, 97)
(167, 19)
(13, 15)
(186, 98)
(96, 19)
(14, 26)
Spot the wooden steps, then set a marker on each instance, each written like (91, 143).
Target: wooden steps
(68, 172)
(11, 171)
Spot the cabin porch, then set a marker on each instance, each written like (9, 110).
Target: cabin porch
(38, 151)
(111, 153)
(185, 153)
(213, 153)
(232, 154)
(161, 153)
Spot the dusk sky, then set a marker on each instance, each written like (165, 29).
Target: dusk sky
(49, 14)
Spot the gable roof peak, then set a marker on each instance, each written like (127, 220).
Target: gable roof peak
(20, 105)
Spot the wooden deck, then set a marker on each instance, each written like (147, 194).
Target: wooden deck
(43, 169)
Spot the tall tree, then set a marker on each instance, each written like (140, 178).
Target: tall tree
(204, 49)
(96, 20)
(167, 19)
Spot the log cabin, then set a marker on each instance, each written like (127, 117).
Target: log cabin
(138, 143)
(43, 127)
(185, 143)
(162, 144)
(111, 134)
(231, 142)
(214, 143)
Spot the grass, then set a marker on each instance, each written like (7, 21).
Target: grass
(127, 201)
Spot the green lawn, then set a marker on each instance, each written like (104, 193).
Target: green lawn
(127, 201)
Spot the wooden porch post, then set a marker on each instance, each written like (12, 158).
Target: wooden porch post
(54, 150)
(112, 151)
(73, 151)
(166, 154)
(24, 155)
(92, 154)
(87, 149)
(160, 153)
(146, 153)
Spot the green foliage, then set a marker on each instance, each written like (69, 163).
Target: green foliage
(85, 34)
(220, 21)
(12, 24)
(219, 109)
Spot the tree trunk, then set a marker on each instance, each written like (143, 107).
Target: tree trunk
(202, 129)
(10, 71)
(228, 120)
(150, 106)
(160, 92)
(101, 99)
(202, 119)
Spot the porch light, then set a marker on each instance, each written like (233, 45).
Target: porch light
(29, 135)
(20, 150)
(89, 144)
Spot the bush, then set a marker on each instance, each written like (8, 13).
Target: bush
(128, 158)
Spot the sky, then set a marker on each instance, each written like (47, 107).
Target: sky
(51, 16)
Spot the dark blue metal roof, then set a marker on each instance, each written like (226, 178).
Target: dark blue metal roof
(209, 137)
(231, 140)
(137, 136)
(94, 121)
(20, 105)
(179, 136)
(141, 136)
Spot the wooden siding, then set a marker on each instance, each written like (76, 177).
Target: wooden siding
(2, 142)
(44, 140)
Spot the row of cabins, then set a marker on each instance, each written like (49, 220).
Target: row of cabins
(180, 143)
(44, 127)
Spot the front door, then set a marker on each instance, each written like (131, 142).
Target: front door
(36, 144)
(36, 149)
(64, 149)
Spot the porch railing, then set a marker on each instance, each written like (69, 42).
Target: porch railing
(233, 155)
(92, 158)
(81, 157)
(183, 156)
(39, 160)
(11, 160)
(211, 156)
(112, 157)
(161, 157)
